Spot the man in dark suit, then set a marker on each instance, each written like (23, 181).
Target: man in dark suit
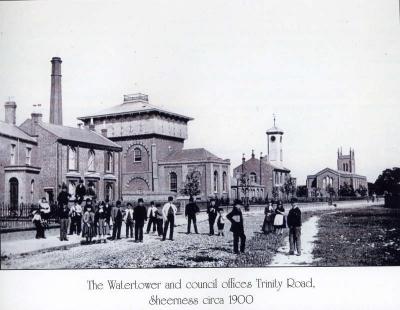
(80, 191)
(116, 215)
(294, 224)
(190, 213)
(140, 215)
(237, 228)
(212, 210)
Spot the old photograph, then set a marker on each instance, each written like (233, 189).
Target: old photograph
(217, 134)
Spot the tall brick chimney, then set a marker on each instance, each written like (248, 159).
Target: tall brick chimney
(55, 93)
(10, 112)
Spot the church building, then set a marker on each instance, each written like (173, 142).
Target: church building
(319, 183)
(261, 178)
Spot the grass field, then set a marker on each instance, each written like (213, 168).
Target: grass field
(359, 237)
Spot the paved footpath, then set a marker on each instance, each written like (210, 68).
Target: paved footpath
(308, 236)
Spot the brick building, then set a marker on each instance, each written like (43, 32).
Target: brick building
(154, 163)
(260, 178)
(319, 183)
(19, 169)
(38, 157)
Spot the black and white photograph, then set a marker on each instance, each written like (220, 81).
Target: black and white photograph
(199, 134)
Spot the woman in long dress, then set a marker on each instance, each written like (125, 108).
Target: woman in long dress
(279, 220)
(268, 219)
(88, 224)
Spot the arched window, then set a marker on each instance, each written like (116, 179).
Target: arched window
(12, 154)
(72, 158)
(173, 182)
(253, 177)
(109, 192)
(224, 181)
(215, 182)
(137, 155)
(91, 161)
(109, 162)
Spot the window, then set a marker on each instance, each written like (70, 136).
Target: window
(72, 188)
(215, 182)
(224, 185)
(32, 190)
(12, 154)
(173, 182)
(109, 162)
(91, 161)
(109, 192)
(72, 158)
(253, 177)
(137, 155)
(28, 155)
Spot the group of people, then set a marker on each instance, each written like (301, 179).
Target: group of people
(103, 219)
(275, 221)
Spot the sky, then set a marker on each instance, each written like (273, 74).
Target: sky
(328, 70)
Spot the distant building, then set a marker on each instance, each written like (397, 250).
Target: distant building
(264, 177)
(154, 163)
(319, 183)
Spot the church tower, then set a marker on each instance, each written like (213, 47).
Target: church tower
(275, 152)
(346, 163)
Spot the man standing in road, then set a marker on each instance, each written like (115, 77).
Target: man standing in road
(294, 223)
(237, 228)
(151, 215)
(169, 213)
(116, 215)
(140, 216)
(190, 212)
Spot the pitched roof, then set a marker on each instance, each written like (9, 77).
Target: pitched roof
(133, 107)
(341, 173)
(13, 131)
(80, 135)
(199, 154)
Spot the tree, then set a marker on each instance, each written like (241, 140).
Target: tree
(346, 190)
(330, 191)
(362, 191)
(191, 187)
(302, 191)
(288, 188)
(388, 181)
(275, 193)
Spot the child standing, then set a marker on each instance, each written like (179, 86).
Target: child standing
(220, 222)
(37, 220)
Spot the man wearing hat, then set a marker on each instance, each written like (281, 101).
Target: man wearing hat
(140, 215)
(237, 228)
(212, 211)
(116, 215)
(190, 212)
(294, 223)
(80, 191)
(169, 213)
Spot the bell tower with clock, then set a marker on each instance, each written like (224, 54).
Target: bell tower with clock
(275, 153)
